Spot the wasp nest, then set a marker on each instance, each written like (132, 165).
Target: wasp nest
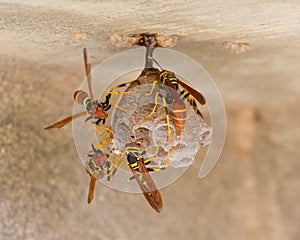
(144, 115)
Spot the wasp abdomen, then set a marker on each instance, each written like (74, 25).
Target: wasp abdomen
(80, 96)
(179, 117)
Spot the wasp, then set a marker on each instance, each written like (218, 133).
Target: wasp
(96, 110)
(99, 166)
(179, 92)
(137, 163)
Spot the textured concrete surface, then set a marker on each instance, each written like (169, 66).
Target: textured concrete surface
(253, 193)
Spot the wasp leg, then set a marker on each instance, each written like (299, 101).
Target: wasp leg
(117, 106)
(149, 170)
(105, 128)
(89, 154)
(166, 162)
(168, 158)
(130, 179)
(167, 113)
(116, 93)
(148, 160)
(106, 137)
(112, 90)
(105, 104)
(168, 119)
(155, 106)
(152, 89)
(114, 167)
(110, 172)
(99, 121)
(108, 107)
(88, 118)
(193, 103)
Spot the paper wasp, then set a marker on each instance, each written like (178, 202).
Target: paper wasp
(93, 107)
(99, 166)
(177, 97)
(135, 158)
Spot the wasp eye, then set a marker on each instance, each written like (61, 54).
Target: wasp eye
(91, 166)
(132, 138)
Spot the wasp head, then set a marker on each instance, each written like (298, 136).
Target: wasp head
(98, 163)
(98, 111)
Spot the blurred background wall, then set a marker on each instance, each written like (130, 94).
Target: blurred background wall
(252, 193)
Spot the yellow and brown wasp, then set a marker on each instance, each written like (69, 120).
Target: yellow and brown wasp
(182, 92)
(99, 166)
(96, 110)
(135, 152)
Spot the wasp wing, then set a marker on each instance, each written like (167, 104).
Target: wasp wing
(91, 188)
(199, 97)
(148, 187)
(65, 121)
(87, 68)
(151, 186)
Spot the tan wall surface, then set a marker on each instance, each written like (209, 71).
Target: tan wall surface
(253, 193)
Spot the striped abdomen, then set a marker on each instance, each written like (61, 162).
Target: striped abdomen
(92, 106)
(81, 97)
(179, 111)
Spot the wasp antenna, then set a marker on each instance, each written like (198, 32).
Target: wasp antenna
(85, 59)
(92, 141)
(156, 63)
(93, 147)
(87, 69)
